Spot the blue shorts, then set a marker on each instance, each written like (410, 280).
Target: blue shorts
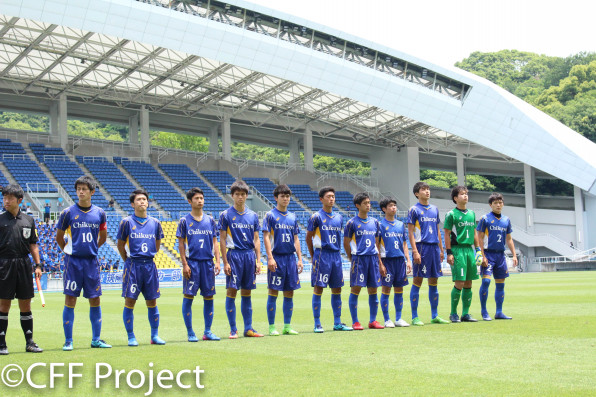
(81, 273)
(140, 276)
(430, 264)
(285, 278)
(243, 264)
(396, 272)
(202, 276)
(365, 271)
(326, 269)
(497, 265)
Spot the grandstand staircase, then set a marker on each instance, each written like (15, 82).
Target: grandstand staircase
(543, 240)
(103, 191)
(7, 173)
(171, 182)
(136, 184)
(213, 187)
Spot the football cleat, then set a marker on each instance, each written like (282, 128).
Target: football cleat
(289, 331)
(32, 347)
(389, 324)
(208, 335)
(3, 350)
(357, 326)
(486, 317)
(100, 344)
(439, 320)
(375, 325)
(318, 330)
(454, 318)
(233, 335)
(502, 316)
(67, 346)
(132, 342)
(467, 318)
(156, 340)
(342, 327)
(401, 323)
(193, 337)
(416, 321)
(273, 331)
(251, 333)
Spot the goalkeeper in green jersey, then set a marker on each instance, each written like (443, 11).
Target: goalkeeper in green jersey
(460, 253)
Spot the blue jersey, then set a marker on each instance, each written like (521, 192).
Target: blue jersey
(363, 235)
(425, 219)
(81, 229)
(495, 231)
(393, 235)
(140, 237)
(282, 227)
(198, 235)
(240, 228)
(327, 228)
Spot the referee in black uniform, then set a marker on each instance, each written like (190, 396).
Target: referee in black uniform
(18, 239)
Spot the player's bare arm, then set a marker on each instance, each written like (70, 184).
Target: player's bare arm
(222, 247)
(34, 249)
(415, 253)
(408, 260)
(481, 238)
(257, 243)
(309, 236)
(298, 253)
(186, 272)
(121, 245)
(217, 267)
(511, 247)
(60, 239)
(347, 248)
(450, 257)
(271, 264)
(441, 243)
(103, 236)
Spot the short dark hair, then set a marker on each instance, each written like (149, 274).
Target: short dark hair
(239, 185)
(134, 194)
(85, 180)
(13, 190)
(192, 191)
(385, 201)
(495, 197)
(360, 197)
(420, 185)
(326, 189)
(281, 189)
(456, 190)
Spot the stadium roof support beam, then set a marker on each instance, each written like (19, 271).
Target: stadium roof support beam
(27, 50)
(308, 149)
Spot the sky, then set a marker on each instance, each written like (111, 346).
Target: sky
(447, 31)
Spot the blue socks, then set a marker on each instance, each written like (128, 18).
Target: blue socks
(484, 294)
(336, 306)
(67, 322)
(414, 295)
(385, 306)
(398, 301)
(153, 315)
(288, 308)
(246, 309)
(316, 308)
(499, 296)
(95, 317)
(231, 312)
(373, 304)
(353, 303)
(208, 312)
(433, 297)
(271, 306)
(187, 314)
(128, 318)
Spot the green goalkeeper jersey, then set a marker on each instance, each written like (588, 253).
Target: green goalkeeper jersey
(465, 224)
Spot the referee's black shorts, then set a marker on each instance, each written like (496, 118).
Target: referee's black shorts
(16, 280)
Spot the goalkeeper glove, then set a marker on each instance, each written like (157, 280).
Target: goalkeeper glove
(478, 256)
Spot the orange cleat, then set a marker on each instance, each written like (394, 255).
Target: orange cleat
(375, 325)
(357, 326)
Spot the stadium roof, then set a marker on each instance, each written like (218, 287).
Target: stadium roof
(260, 67)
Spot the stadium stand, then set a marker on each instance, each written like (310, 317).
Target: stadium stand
(220, 179)
(23, 169)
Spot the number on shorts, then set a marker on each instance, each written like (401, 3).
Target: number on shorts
(234, 277)
(424, 269)
(388, 278)
(133, 288)
(462, 271)
(276, 280)
(361, 277)
(71, 285)
(324, 278)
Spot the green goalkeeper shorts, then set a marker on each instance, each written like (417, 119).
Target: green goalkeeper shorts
(464, 263)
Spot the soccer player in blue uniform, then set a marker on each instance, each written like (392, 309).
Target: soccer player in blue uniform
(139, 237)
(85, 227)
(197, 237)
(280, 234)
(361, 245)
(396, 259)
(427, 251)
(323, 239)
(241, 252)
(494, 229)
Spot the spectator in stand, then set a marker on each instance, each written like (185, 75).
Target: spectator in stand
(46, 213)
(111, 203)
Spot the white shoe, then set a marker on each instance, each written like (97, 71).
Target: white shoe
(389, 324)
(401, 323)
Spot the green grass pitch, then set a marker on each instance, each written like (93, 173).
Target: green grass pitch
(549, 348)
